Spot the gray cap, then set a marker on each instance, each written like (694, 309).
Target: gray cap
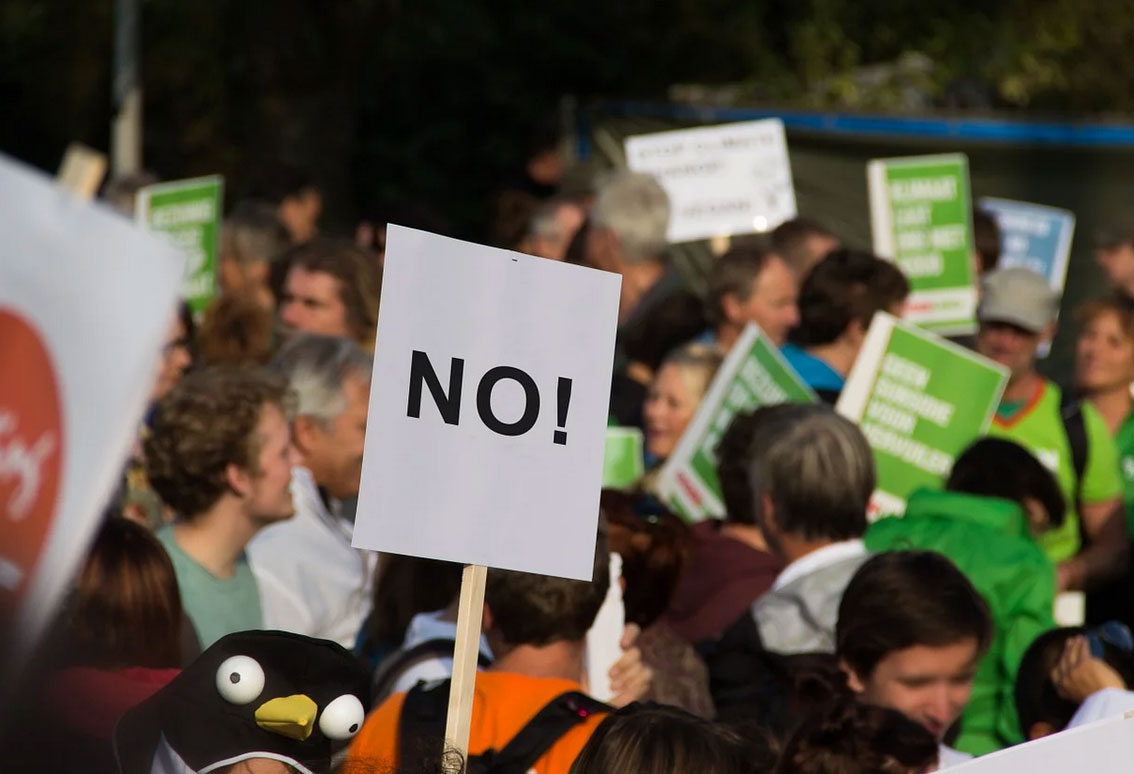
(1018, 296)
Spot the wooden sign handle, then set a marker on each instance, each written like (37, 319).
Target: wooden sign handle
(82, 171)
(465, 651)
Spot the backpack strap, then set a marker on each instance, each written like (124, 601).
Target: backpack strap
(1075, 427)
(546, 727)
(421, 730)
(400, 662)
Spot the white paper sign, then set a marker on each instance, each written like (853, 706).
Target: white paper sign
(721, 180)
(1106, 747)
(488, 407)
(85, 301)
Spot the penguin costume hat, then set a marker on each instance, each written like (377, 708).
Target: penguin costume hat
(256, 694)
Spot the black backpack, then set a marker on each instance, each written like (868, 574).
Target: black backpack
(1075, 427)
(421, 730)
(400, 662)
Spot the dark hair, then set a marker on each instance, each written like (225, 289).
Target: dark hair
(1115, 305)
(530, 609)
(734, 274)
(846, 286)
(654, 548)
(853, 738)
(816, 468)
(126, 608)
(359, 279)
(207, 422)
(986, 240)
(905, 598)
(734, 453)
(404, 587)
(789, 240)
(664, 328)
(659, 739)
(996, 467)
(1037, 700)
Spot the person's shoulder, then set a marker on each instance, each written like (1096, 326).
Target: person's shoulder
(377, 739)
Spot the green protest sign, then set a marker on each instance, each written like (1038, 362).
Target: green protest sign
(189, 212)
(919, 400)
(623, 462)
(754, 374)
(921, 218)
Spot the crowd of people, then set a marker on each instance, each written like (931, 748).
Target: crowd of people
(792, 634)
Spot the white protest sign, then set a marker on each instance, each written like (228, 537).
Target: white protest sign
(85, 301)
(721, 180)
(1105, 747)
(488, 407)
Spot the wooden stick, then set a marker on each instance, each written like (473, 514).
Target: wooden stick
(82, 171)
(465, 652)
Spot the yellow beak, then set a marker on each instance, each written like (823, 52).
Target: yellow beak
(291, 716)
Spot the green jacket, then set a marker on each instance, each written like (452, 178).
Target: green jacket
(987, 538)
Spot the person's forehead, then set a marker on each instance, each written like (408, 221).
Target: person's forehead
(302, 279)
(929, 659)
(775, 273)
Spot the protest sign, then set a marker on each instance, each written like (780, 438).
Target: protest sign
(721, 180)
(81, 171)
(902, 392)
(487, 423)
(754, 374)
(488, 407)
(85, 300)
(920, 218)
(1034, 236)
(189, 212)
(623, 462)
(1105, 747)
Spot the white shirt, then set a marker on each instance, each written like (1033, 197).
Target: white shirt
(1103, 704)
(947, 756)
(424, 627)
(311, 580)
(817, 559)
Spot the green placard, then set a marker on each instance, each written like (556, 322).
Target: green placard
(754, 374)
(623, 462)
(920, 401)
(189, 212)
(921, 217)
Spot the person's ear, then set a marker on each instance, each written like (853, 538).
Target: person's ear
(486, 619)
(853, 682)
(1048, 332)
(305, 433)
(238, 479)
(768, 524)
(1038, 519)
(730, 308)
(855, 333)
(1040, 729)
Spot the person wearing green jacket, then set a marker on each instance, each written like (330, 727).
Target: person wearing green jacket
(997, 498)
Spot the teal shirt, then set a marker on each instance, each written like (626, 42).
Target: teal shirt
(987, 538)
(216, 606)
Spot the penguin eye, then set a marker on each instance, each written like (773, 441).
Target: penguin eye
(342, 718)
(240, 679)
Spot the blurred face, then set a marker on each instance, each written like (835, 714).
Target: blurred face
(1117, 262)
(174, 359)
(1010, 345)
(312, 303)
(269, 496)
(300, 215)
(333, 452)
(568, 219)
(772, 303)
(1104, 356)
(929, 685)
(669, 407)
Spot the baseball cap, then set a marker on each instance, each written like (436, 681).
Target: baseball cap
(1018, 296)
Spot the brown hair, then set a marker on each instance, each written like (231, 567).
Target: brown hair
(237, 330)
(846, 286)
(359, 276)
(538, 610)
(854, 738)
(126, 609)
(734, 274)
(206, 423)
(901, 599)
(659, 739)
(1109, 305)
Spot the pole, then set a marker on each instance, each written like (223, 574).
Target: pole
(126, 128)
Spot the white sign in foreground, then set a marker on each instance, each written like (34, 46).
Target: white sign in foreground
(85, 301)
(488, 407)
(1106, 747)
(721, 180)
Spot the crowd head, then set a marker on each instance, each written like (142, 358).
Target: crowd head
(332, 288)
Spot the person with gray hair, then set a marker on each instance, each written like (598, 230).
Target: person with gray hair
(311, 580)
(627, 235)
(812, 475)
